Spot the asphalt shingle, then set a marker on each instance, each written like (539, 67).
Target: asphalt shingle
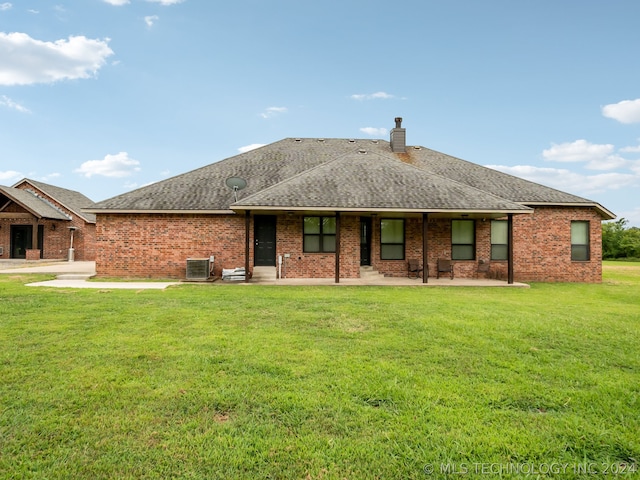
(333, 173)
(36, 205)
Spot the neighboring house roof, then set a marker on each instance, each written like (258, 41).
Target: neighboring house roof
(342, 174)
(37, 206)
(70, 199)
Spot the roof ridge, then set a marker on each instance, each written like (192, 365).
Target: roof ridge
(447, 179)
(46, 188)
(398, 187)
(289, 179)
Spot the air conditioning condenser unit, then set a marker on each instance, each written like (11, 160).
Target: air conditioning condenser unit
(199, 269)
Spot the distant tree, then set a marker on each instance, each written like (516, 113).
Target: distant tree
(619, 241)
(612, 233)
(630, 244)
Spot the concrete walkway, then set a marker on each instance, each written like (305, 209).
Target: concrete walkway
(47, 266)
(73, 275)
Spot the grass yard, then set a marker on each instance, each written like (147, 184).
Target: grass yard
(235, 381)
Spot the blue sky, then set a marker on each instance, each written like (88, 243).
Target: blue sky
(103, 96)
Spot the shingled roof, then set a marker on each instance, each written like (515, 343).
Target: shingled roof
(70, 199)
(342, 174)
(366, 181)
(37, 206)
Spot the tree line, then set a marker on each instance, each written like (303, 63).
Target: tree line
(620, 241)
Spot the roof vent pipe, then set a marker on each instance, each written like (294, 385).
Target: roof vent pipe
(398, 137)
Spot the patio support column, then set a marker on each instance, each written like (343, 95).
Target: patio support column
(337, 247)
(510, 248)
(34, 235)
(247, 228)
(425, 264)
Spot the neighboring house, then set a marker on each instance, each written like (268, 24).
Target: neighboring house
(327, 207)
(41, 221)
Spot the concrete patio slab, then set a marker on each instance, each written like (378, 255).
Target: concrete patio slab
(73, 275)
(389, 281)
(76, 274)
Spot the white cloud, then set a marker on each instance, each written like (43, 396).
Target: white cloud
(635, 167)
(373, 96)
(7, 102)
(114, 166)
(5, 6)
(166, 2)
(25, 61)
(578, 151)
(626, 111)
(630, 149)
(374, 132)
(150, 20)
(633, 215)
(569, 181)
(610, 163)
(10, 175)
(248, 148)
(596, 156)
(273, 111)
(117, 3)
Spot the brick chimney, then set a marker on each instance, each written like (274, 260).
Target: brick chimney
(398, 137)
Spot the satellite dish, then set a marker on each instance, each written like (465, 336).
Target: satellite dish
(236, 183)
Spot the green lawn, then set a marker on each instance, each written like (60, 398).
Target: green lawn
(236, 381)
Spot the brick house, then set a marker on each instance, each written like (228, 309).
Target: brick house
(325, 208)
(41, 221)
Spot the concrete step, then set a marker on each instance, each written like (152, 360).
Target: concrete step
(264, 273)
(368, 272)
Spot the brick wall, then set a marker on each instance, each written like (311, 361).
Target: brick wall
(318, 265)
(158, 246)
(542, 246)
(56, 237)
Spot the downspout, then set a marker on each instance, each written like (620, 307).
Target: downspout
(510, 248)
(247, 228)
(337, 247)
(425, 265)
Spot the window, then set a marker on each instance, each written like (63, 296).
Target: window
(499, 240)
(463, 240)
(319, 234)
(392, 239)
(580, 241)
